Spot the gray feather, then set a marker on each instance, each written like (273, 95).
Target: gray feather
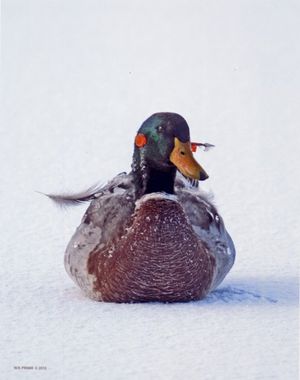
(205, 146)
(65, 200)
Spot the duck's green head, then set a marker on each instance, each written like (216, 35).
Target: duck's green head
(162, 144)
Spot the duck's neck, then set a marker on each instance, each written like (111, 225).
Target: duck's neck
(153, 180)
(159, 181)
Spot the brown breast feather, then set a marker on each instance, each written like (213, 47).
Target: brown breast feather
(158, 257)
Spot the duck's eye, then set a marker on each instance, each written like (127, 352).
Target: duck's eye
(182, 153)
(160, 128)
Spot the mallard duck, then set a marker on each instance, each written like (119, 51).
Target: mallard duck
(151, 235)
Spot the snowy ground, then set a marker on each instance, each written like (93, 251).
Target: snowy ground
(78, 79)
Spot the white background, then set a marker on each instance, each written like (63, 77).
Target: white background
(78, 79)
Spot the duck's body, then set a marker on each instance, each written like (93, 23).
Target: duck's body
(159, 247)
(151, 235)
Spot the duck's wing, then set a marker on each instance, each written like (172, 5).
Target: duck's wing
(103, 223)
(112, 203)
(209, 227)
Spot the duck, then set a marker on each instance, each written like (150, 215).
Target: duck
(151, 235)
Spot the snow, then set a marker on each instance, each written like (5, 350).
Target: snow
(78, 79)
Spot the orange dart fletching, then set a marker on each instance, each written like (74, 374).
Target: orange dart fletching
(206, 146)
(140, 140)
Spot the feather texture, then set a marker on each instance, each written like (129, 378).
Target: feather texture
(205, 146)
(66, 200)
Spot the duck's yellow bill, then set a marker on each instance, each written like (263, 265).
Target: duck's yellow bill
(182, 157)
